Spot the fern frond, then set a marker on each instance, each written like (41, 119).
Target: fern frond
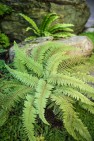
(61, 27)
(10, 99)
(48, 49)
(28, 61)
(48, 21)
(68, 91)
(19, 66)
(29, 115)
(64, 80)
(72, 123)
(84, 77)
(52, 66)
(3, 117)
(43, 92)
(39, 51)
(69, 64)
(89, 108)
(25, 78)
(32, 23)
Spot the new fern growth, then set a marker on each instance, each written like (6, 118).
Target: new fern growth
(47, 28)
(38, 81)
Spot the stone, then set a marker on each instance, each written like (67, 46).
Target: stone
(75, 12)
(90, 29)
(83, 46)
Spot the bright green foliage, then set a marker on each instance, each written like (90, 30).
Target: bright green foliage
(47, 29)
(38, 86)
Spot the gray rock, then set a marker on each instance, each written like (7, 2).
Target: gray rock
(90, 29)
(82, 44)
(75, 12)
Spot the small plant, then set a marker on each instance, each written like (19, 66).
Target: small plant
(4, 9)
(46, 28)
(4, 42)
(38, 82)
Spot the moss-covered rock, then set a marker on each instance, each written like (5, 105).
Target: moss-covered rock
(75, 12)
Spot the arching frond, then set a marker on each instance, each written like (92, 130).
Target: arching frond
(10, 99)
(29, 116)
(68, 91)
(72, 123)
(19, 65)
(28, 61)
(48, 21)
(39, 51)
(33, 24)
(64, 80)
(52, 66)
(89, 108)
(43, 92)
(25, 78)
(61, 27)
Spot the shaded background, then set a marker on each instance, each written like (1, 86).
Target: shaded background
(91, 19)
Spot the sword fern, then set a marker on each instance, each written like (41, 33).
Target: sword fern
(40, 82)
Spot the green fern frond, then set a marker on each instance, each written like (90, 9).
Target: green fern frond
(65, 80)
(72, 123)
(52, 66)
(25, 78)
(32, 23)
(39, 51)
(43, 92)
(89, 108)
(28, 61)
(10, 99)
(68, 91)
(48, 21)
(84, 77)
(61, 27)
(19, 66)
(29, 115)
(45, 51)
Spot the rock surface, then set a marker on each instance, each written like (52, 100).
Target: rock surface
(82, 44)
(90, 29)
(75, 12)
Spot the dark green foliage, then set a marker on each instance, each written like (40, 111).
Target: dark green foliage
(38, 82)
(4, 9)
(46, 28)
(4, 42)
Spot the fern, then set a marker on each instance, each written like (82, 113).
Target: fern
(43, 92)
(31, 22)
(29, 115)
(70, 118)
(40, 81)
(47, 29)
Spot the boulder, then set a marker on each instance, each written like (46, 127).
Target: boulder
(90, 29)
(83, 46)
(75, 12)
